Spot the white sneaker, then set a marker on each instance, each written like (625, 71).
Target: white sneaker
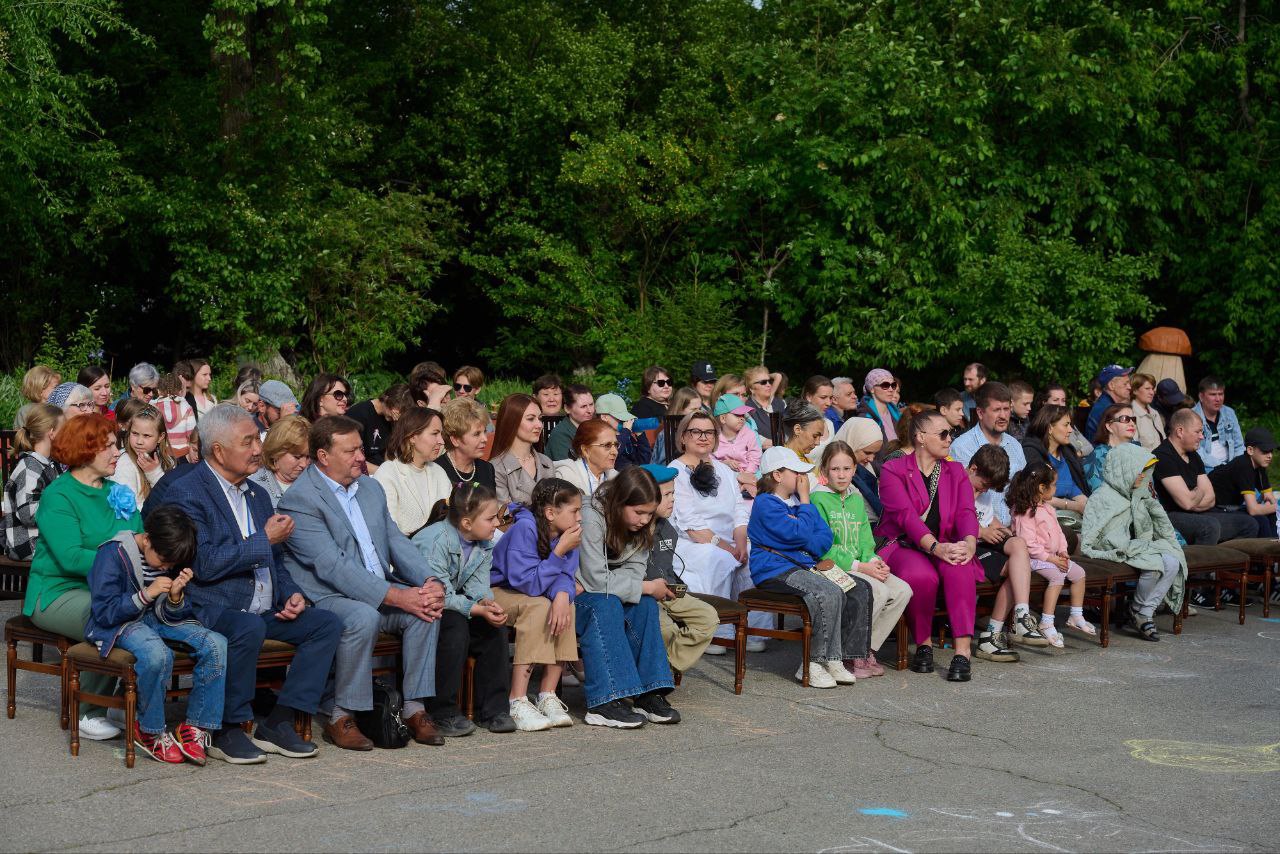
(818, 676)
(755, 644)
(1052, 635)
(554, 710)
(527, 718)
(838, 672)
(716, 649)
(98, 729)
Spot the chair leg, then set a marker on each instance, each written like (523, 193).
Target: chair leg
(11, 675)
(130, 713)
(739, 654)
(806, 633)
(1244, 579)
(468, 689)
(675, 676)
(1104, 631)
(1266, 590)
(1217, 592)
(1180, 616)
(65, 678)
(75, 718)
(901, 632)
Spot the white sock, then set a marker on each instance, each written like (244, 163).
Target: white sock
(1046, 620)
(411, 708)
(1077, 612)
(994, 626)
(1021, 610)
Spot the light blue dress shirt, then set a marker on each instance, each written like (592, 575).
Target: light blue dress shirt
(967, 444)
(347, 501)
(263, 592)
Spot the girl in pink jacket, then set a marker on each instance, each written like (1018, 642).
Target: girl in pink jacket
(1035, 521)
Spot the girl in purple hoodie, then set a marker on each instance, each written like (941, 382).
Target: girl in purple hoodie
(533, 580)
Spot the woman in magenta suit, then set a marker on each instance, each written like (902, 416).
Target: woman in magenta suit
(932, 526)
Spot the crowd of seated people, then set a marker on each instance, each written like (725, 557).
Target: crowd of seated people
(592, 525)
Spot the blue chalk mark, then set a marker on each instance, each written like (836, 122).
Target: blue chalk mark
(1270, 620)
(884, 811)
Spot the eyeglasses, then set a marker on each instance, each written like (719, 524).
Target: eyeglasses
(765, 381)
(87, 406)
(148, 390)
(1125, 419)
(700, 434)
(607, 445)
(462, 387)
(888, 385)
(339, 395)
(662, 383)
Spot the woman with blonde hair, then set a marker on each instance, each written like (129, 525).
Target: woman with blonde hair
(146, 456)
(34, 470)
(39, 382)
(286, 453)
(465, 438)
(763, 401)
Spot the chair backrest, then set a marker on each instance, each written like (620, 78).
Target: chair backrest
(777, 434)
(7, 457)
(549, 423)
(669, 425)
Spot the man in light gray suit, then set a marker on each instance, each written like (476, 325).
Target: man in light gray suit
(348, 556)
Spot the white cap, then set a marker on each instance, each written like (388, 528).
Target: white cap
(782, 457)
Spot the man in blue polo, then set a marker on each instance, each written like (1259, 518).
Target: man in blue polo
(1115, 389)
(994, 404)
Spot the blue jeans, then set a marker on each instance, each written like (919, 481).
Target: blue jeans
(146, 640)
(622, 649)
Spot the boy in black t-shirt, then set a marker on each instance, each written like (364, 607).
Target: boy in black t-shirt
(1243, 485)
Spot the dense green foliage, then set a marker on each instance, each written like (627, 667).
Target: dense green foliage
(556, 184)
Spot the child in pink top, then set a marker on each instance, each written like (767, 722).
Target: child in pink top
(179, 417)
(739, 448)
(1035, 521)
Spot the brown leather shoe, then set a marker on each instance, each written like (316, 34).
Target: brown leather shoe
(345, 734)
(424, 731)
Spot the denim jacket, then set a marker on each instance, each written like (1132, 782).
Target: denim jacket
(1228, 434)
(116, 582)
(465, 582)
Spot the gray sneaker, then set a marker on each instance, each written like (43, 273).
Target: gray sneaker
(990, 648)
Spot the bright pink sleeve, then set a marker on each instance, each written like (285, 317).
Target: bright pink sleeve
(899, 514)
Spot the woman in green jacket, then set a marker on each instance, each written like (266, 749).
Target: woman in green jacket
(78, 512)
(854, 550)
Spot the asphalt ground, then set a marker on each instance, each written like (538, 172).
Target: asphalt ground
(1173, 746)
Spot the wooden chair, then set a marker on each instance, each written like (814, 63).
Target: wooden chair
(13, 578)
(781, 604)
(1204, 563)
(549, 423)
(7, 457)
(732, 614)
(20, 629)
(1264, 558)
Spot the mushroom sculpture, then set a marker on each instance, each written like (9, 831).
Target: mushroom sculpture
(1165, 346)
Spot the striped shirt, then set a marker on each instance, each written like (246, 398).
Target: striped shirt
(32, 473)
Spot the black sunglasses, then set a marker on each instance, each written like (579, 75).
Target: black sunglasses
(765, 381)
(662, 383)
(887, 385)
(339, 394)
(148, 390)
(462, 387)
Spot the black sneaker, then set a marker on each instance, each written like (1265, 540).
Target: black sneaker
(500, 723)
(1199, 597)
(455, 727)
(282, 739)
(615, 714)
(655, 707)
(230, 744)
(991, 648)
(923, 660)
(959, 669)
(1027, 631)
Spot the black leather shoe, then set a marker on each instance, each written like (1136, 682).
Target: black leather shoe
(959, 669)
(923, 660)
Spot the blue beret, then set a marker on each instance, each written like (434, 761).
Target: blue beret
(661, 474)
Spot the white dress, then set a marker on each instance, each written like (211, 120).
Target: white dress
(705, 567)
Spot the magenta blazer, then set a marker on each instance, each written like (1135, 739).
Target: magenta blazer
(905, 498)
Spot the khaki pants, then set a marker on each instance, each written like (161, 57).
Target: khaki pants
(686, 643)
(534, 642)
(889, 599)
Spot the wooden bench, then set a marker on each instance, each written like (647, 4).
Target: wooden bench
(1264, 559)
(20, 629)
(781, 604)
(1204, 566)
(730, 613)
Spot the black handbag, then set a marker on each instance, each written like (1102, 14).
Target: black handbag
(382, 724)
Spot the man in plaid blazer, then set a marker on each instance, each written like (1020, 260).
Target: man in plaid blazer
(243, 592)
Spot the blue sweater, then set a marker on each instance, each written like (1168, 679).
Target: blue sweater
(799, 532)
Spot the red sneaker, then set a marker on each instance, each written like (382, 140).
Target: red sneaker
(161, 748)
(193, 742)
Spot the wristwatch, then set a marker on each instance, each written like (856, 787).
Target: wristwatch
(715, 540)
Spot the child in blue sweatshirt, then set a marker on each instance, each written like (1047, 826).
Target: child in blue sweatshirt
(137, 606)
(533, 568)
(786, 540)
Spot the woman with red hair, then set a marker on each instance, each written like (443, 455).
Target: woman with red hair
(517, 467)
(592, 453)
(79, 511)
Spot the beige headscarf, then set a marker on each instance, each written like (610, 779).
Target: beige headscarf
(859, 433)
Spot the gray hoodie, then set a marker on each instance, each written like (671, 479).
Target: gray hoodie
(621, 577)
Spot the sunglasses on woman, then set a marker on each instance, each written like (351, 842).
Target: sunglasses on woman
(765, 381)
(1124, 419)
(662, 383)
(462, 387)
(888, 385)
(339, 395)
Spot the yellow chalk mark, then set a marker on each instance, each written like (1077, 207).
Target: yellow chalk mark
(1226, 758)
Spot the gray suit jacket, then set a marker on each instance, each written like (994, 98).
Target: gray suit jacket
(323, 555)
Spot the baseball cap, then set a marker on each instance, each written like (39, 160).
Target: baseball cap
(781, 457)
(1260, 438)
(731, 403)
(1110, 372)
(703, 372)
(1169, 393)
(662, 474)
(612, 404)
(276, 394)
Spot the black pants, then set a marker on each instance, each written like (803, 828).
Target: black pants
(459, 637)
